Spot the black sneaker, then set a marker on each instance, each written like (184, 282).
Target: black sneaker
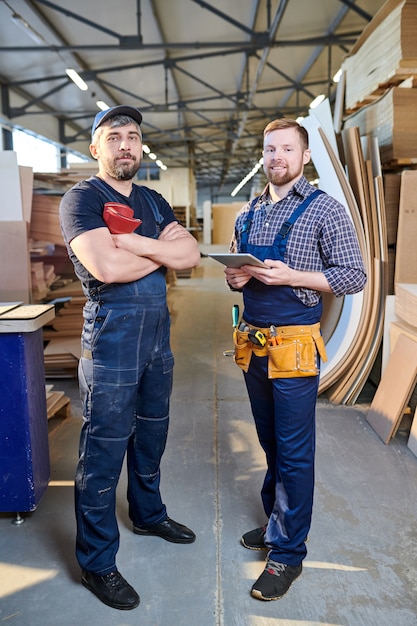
(112, 589)
(275, 580)
(254, 539)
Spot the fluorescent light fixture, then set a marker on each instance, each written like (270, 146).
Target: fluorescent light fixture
(27, 28)
(337, 76)
(146, 148)
(248, 177)
(152, 156)
(76, 78)
(102, 105)
(317, 101)
(299, 119)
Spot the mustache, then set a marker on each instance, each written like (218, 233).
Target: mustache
(126, 155)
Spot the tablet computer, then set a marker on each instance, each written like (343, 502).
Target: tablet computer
(237, 259)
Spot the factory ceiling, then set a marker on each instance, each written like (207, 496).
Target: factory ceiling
(207, 75)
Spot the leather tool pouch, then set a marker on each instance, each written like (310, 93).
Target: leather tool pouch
(243, 349)
(293, 356)
(296, 353)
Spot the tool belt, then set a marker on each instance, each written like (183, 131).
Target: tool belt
(291, 350)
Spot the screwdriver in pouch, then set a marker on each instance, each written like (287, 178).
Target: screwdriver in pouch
(235, 315)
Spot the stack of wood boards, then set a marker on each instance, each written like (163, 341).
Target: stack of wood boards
(392, 120)
(57, 403)
(63, 350)
(44, 225)
(384, 55)
(399, 378)
(352, 326)
(43, 276)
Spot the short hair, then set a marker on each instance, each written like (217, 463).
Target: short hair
(286, 122)
(115, 122)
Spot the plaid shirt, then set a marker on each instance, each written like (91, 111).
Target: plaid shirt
(323, 239)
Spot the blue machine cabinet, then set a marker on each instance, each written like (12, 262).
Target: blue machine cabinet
(24, 447)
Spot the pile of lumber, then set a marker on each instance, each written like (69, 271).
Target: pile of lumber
(352, 326)
(43, 276)
(392, 120)
(380, 83)
(57, 403)
(377, 135)
(384, 55)
(394, 395)
(63, 348)
(44, 223)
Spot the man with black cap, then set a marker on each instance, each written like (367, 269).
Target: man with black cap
(126, 366)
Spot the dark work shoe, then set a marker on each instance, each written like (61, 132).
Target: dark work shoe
(275, 580)
(254, 539)
(168, 530)
(112, 589)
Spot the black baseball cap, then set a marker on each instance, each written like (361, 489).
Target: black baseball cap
(122, 109)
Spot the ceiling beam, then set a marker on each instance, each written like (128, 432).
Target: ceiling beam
(351, 5)
(238, 46)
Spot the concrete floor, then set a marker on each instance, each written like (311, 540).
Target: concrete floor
(361, 567)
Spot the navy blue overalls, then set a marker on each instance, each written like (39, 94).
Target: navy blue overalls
(125, 377)
(283, 408)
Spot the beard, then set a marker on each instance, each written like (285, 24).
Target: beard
(122, 170)
(279, 179)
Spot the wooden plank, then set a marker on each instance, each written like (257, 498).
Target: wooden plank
(394, 389)
(59, 405)
(412, 439)
(406, 250)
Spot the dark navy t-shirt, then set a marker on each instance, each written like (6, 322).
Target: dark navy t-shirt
(81, 209)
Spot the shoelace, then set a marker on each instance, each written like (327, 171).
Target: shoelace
(275, 568)
(113, 580)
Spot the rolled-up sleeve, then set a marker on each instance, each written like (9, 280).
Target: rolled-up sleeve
(344, 267)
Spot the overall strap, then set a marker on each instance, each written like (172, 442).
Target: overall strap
(247, 224)
(112, 196)
(281, 239)
(151, 200)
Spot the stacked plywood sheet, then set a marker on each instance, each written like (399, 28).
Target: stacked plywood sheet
(44, 224)
(392, 120)
(352, 326)
(399, 377)
(62, 352)
(384, 55)
(57, 403)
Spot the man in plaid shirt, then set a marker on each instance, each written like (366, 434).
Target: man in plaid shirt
(309, 246)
